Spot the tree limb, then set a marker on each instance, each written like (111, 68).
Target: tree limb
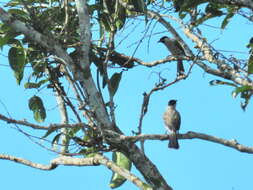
(223, 69)
(71, 161)
(50, 166)
(240, 3)
(40, 127)
(95, 103)
(192, 135)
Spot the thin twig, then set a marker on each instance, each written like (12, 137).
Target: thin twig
(40, 127)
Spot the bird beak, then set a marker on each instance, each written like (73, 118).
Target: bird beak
(159, 41)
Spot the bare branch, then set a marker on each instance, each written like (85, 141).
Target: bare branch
(192, 135)
(130, 59)
(40, 127)
(51, 166)
(91, 161)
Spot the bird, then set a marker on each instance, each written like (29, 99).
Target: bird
(176, 50)
(172, 121)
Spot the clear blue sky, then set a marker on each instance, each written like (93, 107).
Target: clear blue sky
(197, 165)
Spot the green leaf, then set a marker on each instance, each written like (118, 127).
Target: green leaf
(246, 93)
(38, 68)
(15, 43)
(56, 139)
(29, 85)
(105, 21)
(219, 82)
(250, 64)
(17, 61)
(7, 35)
(244, 104)
(115, 80)
(227, 19)
(119, 23)
(3, 41)
(36, 105)
(91, 152)
(50, 131)
(72, 132)
(182, 15)
(120, 16)
(139, 5)
(122, 161)
(214, 9)
(19, 14)
(13, 3)
(241, 89)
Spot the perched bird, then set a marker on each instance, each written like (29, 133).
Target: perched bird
(172, 122)
(176, 50)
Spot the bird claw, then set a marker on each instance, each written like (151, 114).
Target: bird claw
(181, 75)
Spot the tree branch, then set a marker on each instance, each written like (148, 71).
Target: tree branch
(88, 84)
(224, 70)
(51, 166)
(191, 135)
(240, 3)
(71, 161)
(40, 127)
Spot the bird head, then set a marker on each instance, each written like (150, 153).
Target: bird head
(163, 39)
(172, 102)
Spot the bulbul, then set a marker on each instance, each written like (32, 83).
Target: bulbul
(176, 50)
(172, 122)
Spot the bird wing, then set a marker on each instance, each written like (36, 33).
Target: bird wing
(176, 120)
(180, 47)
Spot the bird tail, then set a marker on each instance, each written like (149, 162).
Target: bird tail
(173, 141)
(180, 67)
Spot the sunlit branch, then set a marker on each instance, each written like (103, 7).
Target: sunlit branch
(71, 161)
(50, 166)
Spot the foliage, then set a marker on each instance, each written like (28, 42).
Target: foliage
(121, 160)
(59, 21)
(36, 105)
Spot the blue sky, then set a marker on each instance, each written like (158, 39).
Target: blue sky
(208, 109)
